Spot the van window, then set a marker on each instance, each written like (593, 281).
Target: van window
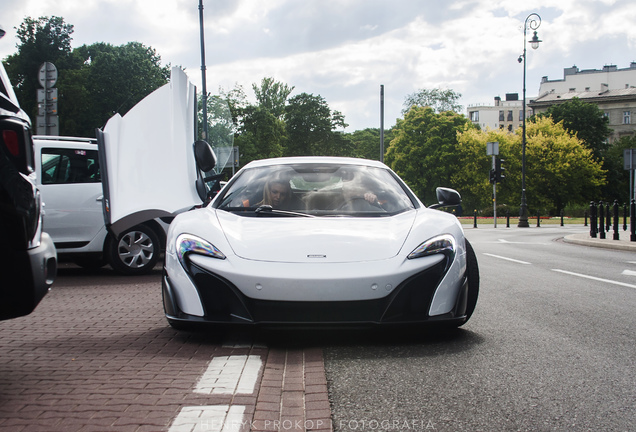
(61, 166)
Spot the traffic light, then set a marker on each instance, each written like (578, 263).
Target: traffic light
(499, 170)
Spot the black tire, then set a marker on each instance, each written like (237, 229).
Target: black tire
(135, 252)
(473, 280)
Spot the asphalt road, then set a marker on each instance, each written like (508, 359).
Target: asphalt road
(549, 348)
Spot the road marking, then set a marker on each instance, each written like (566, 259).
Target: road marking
(521, 242)
(219, 418)
(230, 375)
(629, 272)
(507, 259)
(595, 278)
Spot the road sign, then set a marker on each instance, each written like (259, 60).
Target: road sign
(47, 125)
(492, 148)
(47, 75)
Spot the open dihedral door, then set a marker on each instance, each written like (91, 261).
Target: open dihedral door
(146, 157)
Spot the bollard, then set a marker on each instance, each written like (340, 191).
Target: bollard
(632, 221)
(475, 218)
(593, 231)
(624, 217)
(538, 219)
(608, 218)
(585, 217)
(561, 217)
(601, 220)
(616, 237)
(507, 218)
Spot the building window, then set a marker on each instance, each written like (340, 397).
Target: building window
(474, 116)
(627, 117)
(521, 115)
(501, 116)
(509, 128)
(509, 115)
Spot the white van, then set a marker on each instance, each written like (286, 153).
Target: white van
(69, 180)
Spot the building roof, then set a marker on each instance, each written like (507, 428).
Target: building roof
(587, 96)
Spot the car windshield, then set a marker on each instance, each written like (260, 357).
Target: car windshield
(315, 190)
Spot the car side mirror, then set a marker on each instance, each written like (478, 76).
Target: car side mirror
(447, 197)
(204, 156)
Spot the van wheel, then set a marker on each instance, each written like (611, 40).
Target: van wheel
(135, 252)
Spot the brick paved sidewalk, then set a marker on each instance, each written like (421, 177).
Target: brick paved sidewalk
(97, 355)
(293, 393)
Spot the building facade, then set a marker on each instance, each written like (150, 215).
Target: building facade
(613, 90)
(506, 114)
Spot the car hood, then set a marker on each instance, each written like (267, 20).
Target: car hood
(316, 240)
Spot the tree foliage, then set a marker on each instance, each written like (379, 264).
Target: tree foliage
(560, 170)
(618, 178)
(40, 40)
(585, 120)
(309, 123)
(262, 135)
(272, 96)
(94, 81)
(438, 99)
(117, 77)
(424, 151)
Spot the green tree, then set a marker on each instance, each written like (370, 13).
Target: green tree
(118, 77)
(560, 170)
(437, 99)
(618, 181)
(237, 101)
(472, 179)
(586, 121)
(40, 40)
(366, 142)
(424, 151)
(309, 123)
(262, 135)
(272, 96)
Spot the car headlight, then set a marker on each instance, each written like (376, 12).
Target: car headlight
(190, 244)
(444, 244)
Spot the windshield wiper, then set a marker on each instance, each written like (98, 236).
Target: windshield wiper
(269, 210)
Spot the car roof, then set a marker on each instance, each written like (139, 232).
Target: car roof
(54, 141)
(314, 159)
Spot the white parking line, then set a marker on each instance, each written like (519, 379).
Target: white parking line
(214, 418)
(230, 375)
(595, 278)
(629, 272)
(507, 259)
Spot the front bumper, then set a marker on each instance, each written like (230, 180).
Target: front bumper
(223, 303)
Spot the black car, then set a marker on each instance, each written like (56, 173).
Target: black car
(28, 260)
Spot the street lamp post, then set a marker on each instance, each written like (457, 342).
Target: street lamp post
(204, 89)
(533, 21)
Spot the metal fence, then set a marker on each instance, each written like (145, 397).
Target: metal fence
(604, 217)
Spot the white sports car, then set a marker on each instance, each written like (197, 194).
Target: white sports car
(319, 240)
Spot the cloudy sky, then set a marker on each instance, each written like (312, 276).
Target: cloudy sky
(344, 50)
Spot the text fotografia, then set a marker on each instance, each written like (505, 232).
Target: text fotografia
(385, 425)
(305, 425)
